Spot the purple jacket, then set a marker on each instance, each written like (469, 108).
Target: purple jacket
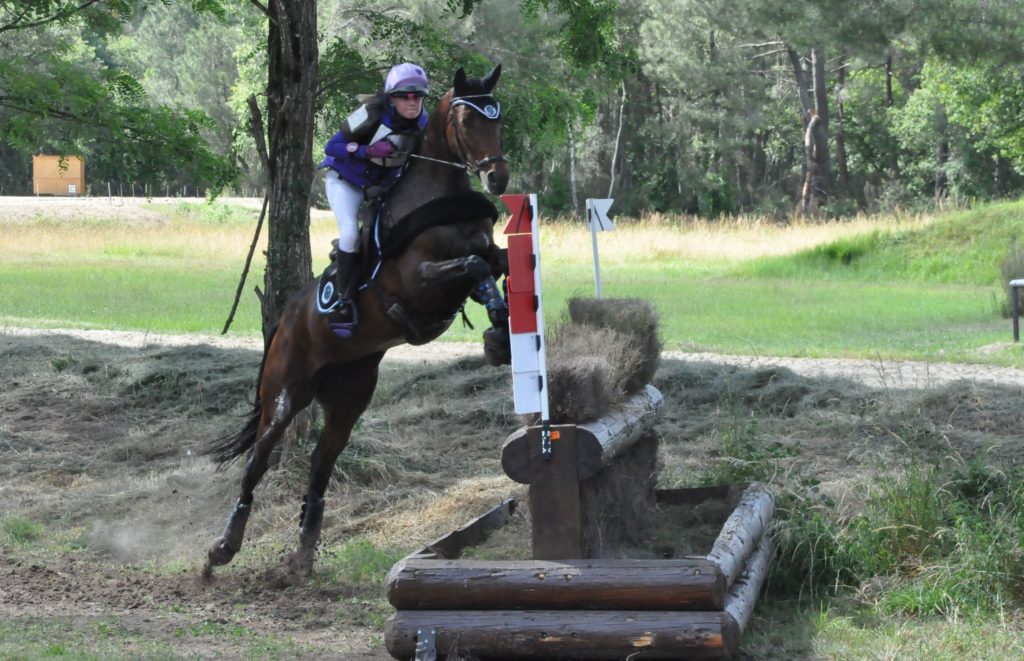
(375, 120)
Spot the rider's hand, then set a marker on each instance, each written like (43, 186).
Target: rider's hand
(380, 149)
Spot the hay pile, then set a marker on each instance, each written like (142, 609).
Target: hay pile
(606, 351)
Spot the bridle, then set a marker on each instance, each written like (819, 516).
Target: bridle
(491, 111)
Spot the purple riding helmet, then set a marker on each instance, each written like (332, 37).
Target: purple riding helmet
(406, 77)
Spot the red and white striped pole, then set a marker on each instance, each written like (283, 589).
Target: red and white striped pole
(526, 313)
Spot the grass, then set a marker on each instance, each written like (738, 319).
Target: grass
(800, 632)
(901, 287)
(928, 540)
(101, 638)
(15, 530)
(928, 563)
(963, 247)
(358, 563)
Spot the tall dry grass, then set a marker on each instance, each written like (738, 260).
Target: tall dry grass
(657, 235)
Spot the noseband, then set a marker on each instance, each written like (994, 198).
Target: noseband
(491, 111)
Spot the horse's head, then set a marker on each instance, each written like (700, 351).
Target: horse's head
(473, 128)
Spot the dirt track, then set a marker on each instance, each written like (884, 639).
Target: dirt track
(896, 374)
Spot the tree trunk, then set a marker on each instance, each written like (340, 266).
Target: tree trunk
(618, 140)
(572, 171)
(941, 155)
(844, 172)
(888, 80)
(291, 107)
(821, 185)
(894, 163)
(810, 79)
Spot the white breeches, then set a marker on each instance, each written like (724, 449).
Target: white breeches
(345, 200)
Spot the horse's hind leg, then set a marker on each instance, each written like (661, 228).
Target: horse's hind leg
(283, 405)
(344, 393)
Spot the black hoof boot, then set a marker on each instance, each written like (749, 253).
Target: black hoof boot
(225, 548)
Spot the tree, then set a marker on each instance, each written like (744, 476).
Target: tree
(58, 92)
(292, 80)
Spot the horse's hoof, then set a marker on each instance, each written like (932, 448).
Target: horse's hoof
(300, 563)
(219, 554)
(497, 347)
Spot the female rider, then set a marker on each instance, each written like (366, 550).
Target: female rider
(364, 159)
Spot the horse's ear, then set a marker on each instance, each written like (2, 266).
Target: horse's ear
(460, 81)
(491, 79)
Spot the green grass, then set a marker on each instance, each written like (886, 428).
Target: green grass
(964, 247)
(930, 565)
(356, 563)
(101, 638)
(18, 531)
(929, 292)
(799, 632)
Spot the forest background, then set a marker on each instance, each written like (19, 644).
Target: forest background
(697, 106)
(703, 107)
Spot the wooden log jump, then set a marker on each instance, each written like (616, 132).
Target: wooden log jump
(563, 605)
(580, 453)
(597, 442)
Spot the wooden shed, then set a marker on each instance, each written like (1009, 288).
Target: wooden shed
(58, 175)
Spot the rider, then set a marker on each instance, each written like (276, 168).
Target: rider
(364, 159)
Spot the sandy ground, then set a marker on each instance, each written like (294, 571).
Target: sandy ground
(898, 374)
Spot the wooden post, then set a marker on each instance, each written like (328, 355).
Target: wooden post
(555, 495)
(1015, 286)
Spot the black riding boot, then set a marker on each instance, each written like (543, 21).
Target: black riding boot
(344, 318)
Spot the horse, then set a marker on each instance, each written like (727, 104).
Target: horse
(413, 298)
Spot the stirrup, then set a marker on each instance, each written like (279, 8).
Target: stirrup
(343, 325)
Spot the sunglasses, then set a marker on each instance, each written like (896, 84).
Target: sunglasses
(409, 96)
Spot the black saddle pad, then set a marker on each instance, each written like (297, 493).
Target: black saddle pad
(326, 292)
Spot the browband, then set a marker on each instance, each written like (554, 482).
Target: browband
(490, 110)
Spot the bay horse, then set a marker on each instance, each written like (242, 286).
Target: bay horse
(413, 298)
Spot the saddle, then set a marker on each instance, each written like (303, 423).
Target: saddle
(382, 238)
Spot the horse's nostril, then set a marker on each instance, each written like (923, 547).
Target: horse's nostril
(495, 181)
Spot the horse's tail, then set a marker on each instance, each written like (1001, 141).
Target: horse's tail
(233, 445)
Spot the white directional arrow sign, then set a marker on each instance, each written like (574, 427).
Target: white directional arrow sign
(597, 215)
(597, 218)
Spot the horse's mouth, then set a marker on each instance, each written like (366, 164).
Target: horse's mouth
(495, 180)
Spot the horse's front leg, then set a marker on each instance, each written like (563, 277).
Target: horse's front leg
(344, 393)
(497, 342)
(472, 267)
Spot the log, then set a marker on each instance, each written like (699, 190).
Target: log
(743, 531)
(471, 534)
(566, 634)
(742, 597)
(597, 442)
(684, 584)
